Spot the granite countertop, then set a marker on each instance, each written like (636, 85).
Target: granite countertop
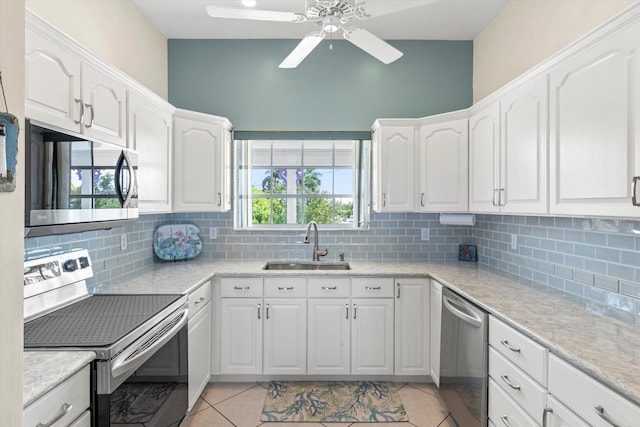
(569, 326)
(43, 370)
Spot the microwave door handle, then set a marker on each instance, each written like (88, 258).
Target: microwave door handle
(124, 199)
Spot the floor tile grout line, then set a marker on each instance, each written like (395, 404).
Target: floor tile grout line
(230, 397)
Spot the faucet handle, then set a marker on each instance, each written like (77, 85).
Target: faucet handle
(322, 252)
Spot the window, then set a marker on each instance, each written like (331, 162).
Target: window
(281, 183)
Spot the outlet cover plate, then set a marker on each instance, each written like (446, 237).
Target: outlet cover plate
(425, 234)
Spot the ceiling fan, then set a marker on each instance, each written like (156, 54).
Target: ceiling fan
(331, 15)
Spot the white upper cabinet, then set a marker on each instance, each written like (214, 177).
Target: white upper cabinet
(595, 130)
(484, 159)
(150, 134)
(65, 90)
(394, 167)
(52, 83)
(523, 148)
(508, 152)
(443, 154)
(202, 155)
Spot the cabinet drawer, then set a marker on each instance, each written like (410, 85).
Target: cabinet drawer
(285, 287)
(328, 288)
(375, 287)
(74, 391)
(525, 353)
(236, 287)
(199, 298)
(589, 398)
(521, 388)
(503, 411)
(83, 420)
(561, 416)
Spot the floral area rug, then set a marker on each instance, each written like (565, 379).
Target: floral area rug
(339, 402)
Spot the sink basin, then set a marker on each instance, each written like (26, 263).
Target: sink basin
(306, 265)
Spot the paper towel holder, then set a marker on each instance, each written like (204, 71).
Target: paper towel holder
(458, 219)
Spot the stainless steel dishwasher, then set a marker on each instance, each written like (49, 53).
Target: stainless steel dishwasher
(464, 360)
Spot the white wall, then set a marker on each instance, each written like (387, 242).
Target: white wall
(11, 221)
(526, 32)
(115, 31)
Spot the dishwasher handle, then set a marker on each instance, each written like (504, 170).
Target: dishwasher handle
(459, 309)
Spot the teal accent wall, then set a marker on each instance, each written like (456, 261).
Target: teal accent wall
(342, 88)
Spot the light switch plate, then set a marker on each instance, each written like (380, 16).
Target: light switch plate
(425, 234)
(123, 242)
(514, 242)
(213, 233)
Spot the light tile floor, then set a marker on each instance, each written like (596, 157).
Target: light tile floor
(240, 405)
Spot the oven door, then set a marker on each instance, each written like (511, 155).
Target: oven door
(147, 383)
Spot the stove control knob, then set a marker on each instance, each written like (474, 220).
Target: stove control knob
(83, 261)
(70, 265)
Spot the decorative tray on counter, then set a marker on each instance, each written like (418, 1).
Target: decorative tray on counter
(177, 241)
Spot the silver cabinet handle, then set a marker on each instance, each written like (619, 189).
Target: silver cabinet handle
(79, 101)
(267, 309)
(373, 288)
(347, 316)
(64, 410)
(494, 202)
(544, 416)
(634, 184)
(285, 288)
(500, 194)
(93, 115)
(509, 346)
(219, 199)
(355, 311)
(600, 411)
(259, 308)
(398, 285)
(384, 199)
(505, 420)
(506, 379)
(329, 288)
(200, 300)
(242, 288)
(422, 199)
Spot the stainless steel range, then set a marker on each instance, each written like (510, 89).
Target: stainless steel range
(140, 374)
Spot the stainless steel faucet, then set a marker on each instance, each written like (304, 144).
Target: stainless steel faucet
(317, 253)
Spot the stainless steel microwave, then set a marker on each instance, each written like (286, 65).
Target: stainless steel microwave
(76, 184)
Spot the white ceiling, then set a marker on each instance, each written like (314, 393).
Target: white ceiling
(391, 20)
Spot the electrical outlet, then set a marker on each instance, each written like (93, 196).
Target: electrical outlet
(123, 242)
(514, 242)
(213, 233)
(425, 234)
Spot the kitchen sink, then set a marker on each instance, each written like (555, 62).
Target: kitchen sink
(306, 265)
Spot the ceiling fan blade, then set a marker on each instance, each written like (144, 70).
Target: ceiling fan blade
(302, 50)
(255, 14)
(373, 45)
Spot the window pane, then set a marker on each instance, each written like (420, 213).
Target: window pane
(287, 153)
(103, 181)
(280, 211)
(344, 153)
(343, 212)
(260, 153)
(319, 210)
(318, 153)
(318, 181)
(261, 181)
(344, 181)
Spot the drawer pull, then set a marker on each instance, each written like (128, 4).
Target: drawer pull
(355, 311)
(259, 308)
(285, 288)
(373, 288)
(347, 316)
(242, 288)
(64, 410)
(506, 379)
(505, 420)
(544, 416)
(600, 411)
(267, 309)
(200, 300)
(329, 288)
(509, 346)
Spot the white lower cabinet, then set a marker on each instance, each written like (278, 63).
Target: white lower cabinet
(504, 411)
(412, 326)
(199, 341)
(285, 336)
(329, 336)
(435, 317)
(558, 415)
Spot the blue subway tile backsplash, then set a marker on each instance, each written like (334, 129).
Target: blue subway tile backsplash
(595, 258)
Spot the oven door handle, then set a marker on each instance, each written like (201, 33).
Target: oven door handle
(163, 333)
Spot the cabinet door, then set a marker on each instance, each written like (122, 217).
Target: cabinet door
(52, 83)
(199, 353)
(524, 148)
(435, 317)
(197, 165)
(484, 159)
(444, 178)
(412, 327)
(396, 169)
(594, 128)
(559, 415)
(285, 336)
(150, 134)
(372, 336)
(104, 101)
(241, 337)
(329, 336)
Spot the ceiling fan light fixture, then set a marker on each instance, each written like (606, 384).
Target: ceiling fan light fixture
(249, 3)
(331, 24)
